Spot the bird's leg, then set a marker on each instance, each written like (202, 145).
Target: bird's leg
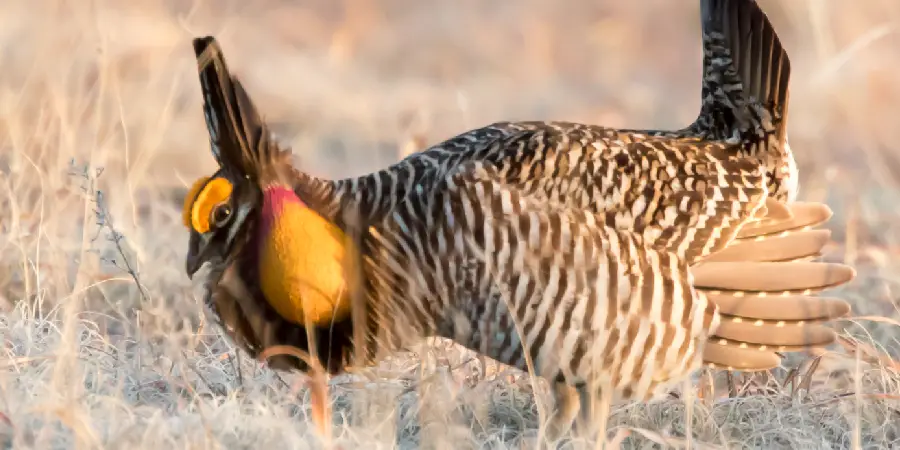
(566, 403)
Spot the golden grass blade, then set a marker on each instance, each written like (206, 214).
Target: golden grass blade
(317, 384)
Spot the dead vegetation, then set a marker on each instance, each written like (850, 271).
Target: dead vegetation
(103, 343)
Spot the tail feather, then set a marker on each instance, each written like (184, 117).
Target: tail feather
(745, 71)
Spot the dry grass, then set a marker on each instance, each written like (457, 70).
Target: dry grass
(90, 359)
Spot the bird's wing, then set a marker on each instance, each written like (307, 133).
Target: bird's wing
(585, 299)
(686, 195)
(712, 208)
(564, 272)
(691, 198)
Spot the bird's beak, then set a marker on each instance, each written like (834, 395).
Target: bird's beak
(192, 265)
(194, 255)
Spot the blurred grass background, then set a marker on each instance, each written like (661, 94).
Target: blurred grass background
(103, 96)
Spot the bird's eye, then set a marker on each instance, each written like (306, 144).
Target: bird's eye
(220, 214)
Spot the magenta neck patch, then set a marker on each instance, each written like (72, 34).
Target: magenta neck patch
(275, 199)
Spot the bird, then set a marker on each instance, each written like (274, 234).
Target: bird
(613, 263)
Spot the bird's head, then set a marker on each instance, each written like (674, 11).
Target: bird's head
(301, 257)
(219, 210)
(216, 216)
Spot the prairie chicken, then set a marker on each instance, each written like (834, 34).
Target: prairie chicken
(611, 262)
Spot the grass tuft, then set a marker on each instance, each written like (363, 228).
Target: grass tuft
(103, 341)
